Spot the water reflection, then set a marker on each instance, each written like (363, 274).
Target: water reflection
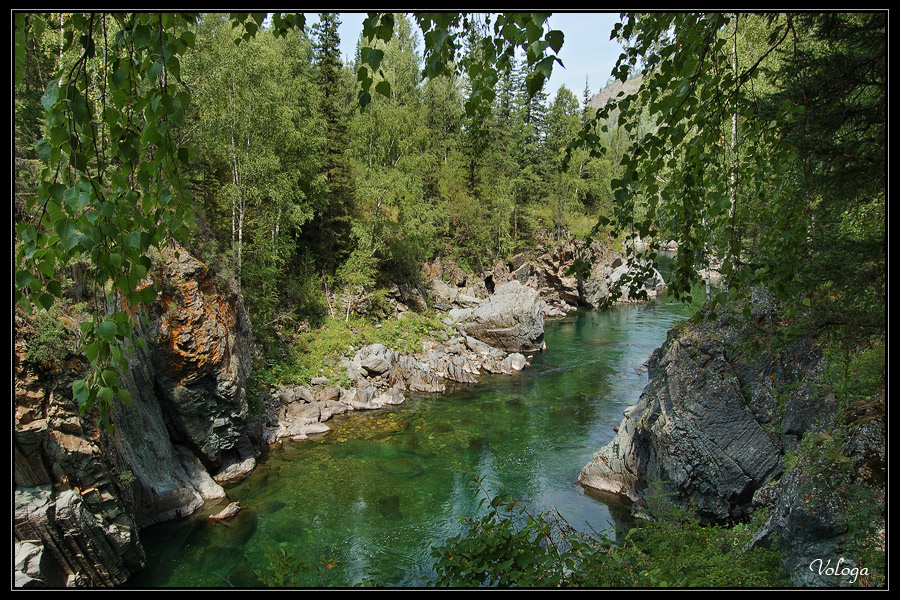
(384, 486)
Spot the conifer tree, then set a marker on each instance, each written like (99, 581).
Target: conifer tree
(329, 233)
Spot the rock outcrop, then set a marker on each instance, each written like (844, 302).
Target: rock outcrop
(188, 430)
(509, 319)
(83, 494)
(565, 274)
(201, 349)
(72, 524)
(380, 376)
(692, 429)
(714, 426)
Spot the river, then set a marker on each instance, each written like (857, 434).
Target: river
(378, 491)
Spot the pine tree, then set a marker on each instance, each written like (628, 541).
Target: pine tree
(329, 233)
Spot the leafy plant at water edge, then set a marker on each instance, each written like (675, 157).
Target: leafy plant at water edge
(286, 570)
(509, 547)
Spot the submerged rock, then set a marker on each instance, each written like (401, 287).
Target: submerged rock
(226, 513)
(389, 507)
(270, 507)
(405, 468)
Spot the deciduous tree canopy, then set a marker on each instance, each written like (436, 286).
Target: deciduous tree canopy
(754, 141)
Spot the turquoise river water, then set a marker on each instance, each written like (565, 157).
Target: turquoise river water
(383, 487)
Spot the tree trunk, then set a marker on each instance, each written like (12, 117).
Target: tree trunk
(734, 150)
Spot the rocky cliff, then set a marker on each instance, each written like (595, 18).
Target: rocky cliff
(72, 525)
(81, 494)
(730, 423)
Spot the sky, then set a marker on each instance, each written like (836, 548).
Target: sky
(587, 50)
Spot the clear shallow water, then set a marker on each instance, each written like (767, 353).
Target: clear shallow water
(384, 486)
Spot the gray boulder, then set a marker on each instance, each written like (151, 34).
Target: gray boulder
(509, 319)
(376, 358)
(634, 280)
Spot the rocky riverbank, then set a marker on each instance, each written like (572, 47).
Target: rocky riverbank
(82, 495)
(494, 321)
(731, 424)
(488, 338)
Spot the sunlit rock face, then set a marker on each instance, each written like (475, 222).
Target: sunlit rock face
(83, 493)
(201, 352)
(509, 319)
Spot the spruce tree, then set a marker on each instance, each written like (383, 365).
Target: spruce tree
(329, 233)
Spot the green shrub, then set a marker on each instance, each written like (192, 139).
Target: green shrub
(319, 352)
(49, 340)
(509, 547)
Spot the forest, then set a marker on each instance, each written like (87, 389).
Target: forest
(312, 186)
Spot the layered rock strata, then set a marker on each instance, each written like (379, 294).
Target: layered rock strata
(713, 429)
(82, 494)
(72, 525)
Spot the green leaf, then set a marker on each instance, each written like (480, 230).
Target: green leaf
(545, 66)
(45, 300)
(148, 295)
(534, 82)
(81, 392)
(110, 377)
(141, 36)
(555, 39)
(105, 395)
(124, 395)
(383, 88)
(43, 150)
(51, 95)
(107, 331)
(23, 278)
(374, 57)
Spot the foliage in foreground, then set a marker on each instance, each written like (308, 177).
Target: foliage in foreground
(509, 547)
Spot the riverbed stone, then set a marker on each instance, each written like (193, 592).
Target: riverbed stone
(226, 513)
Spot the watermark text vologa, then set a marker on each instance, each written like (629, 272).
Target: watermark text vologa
(839, 568)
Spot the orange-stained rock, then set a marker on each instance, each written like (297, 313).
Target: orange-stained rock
(201, 351)
(77, 483)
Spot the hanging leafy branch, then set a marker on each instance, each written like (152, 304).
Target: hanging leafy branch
(444, 35)
(111, 187)
(678, 175)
